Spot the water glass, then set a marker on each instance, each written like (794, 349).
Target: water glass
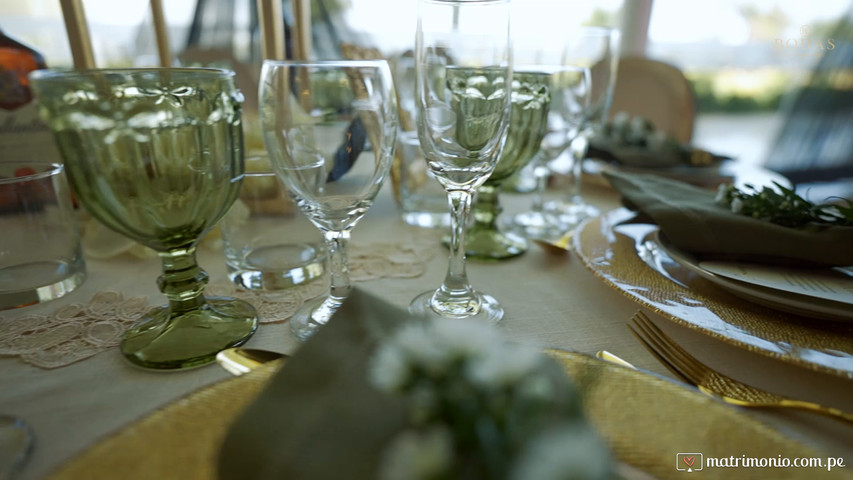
(40, 255)
(269, 244)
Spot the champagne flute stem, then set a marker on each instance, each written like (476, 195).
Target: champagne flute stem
(456, 279)
(182, 281)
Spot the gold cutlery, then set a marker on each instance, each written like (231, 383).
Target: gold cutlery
(239, 361)
(711, 382)
(559, 246)
(609, 357)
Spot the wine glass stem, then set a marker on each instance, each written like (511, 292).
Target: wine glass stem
(182, 281)
(540, 173)
(456, 279)
(578, 151)
(339, 280)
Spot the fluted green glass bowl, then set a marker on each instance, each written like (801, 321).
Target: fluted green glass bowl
(157, 155)
(528, 121)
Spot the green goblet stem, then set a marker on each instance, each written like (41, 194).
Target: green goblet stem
(182, 281)
(485, 240)
(528, 120)
(487, 207)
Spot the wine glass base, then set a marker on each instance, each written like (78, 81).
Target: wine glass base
(311, 317)
(537, 225)
(571, 214)
(163, 341)
(481, 308)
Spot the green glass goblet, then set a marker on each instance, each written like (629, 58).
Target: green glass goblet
(157, 155)
(528, 121)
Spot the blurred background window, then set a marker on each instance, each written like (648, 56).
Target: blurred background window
(748, 61)
(772, 78)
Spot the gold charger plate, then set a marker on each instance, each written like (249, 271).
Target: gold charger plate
(621, 254)
(646, 419)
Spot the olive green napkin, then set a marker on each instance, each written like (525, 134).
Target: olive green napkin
(691, 220)
(319, 418)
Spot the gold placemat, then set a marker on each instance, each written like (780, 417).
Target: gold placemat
(180, 440)
(646, 419)
(609, 250)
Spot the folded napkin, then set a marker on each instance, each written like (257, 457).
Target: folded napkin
(691, 220)
(319, 418)
(635, 142)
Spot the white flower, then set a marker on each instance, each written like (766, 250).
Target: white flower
(465, 338)
(415, 455)
(389, 368)
(537, 387)
(722, 193)
(621, 119)
(504, 366)
(430, 347)
(737, 205)
(571, 451)
(420, 348)
(637, 130)
(656, 140)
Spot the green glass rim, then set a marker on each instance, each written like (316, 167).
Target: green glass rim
(45, 169)
(60, 75)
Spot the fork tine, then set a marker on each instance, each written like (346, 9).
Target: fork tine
(686, 362)
(711, 382)
(653, 350)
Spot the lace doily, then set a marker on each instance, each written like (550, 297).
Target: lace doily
(76, 332)
(72, 333)
(366, 262)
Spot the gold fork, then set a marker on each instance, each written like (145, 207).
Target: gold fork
(711, 382)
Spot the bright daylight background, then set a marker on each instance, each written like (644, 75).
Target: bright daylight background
(725, 47)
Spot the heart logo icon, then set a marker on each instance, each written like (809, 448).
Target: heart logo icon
(689, 460)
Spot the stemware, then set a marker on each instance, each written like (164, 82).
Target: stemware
(330, 129)
(464, 74)
(157, 155)
(530, 100)
(570, 93)
(596, 48)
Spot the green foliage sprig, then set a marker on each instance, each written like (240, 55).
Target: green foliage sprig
(784, 207)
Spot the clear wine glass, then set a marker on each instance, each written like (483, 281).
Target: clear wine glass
(330, 129)
(464, 75)
(157, 155)
(570, 94)
(596, 48)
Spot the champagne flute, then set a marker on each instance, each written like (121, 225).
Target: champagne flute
(596, 48)
(157, 155)
(464, 75)
(330, 129)
(570, 93)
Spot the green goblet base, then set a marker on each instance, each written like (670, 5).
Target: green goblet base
(493, 244)
(166, 341)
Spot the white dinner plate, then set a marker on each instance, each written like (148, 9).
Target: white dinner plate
(780, 299)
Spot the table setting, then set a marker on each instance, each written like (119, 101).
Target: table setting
(260, 305)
